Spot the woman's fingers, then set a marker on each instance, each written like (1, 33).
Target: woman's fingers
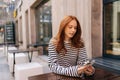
(89, 70)
(88, 73)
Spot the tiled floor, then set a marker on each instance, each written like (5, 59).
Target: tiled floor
(4, 68)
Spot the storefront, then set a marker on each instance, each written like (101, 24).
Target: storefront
(7, 33)
(111, 44)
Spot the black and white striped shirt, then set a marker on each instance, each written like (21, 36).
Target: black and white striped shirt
(66, 64)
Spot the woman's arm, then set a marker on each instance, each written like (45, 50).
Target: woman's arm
(56, 68)
(82, 58)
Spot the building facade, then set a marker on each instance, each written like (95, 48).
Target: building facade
(36, 21)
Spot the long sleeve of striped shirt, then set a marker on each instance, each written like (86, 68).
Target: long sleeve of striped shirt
(66, 64)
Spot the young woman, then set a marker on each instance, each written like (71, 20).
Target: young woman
(67, 53)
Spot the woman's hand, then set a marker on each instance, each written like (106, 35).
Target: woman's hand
(89, 70)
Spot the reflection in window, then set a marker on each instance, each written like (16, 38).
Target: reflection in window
(112, 28)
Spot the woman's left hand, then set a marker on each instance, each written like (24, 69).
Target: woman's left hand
(89, 70)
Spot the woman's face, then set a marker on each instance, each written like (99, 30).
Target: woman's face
(70, 30)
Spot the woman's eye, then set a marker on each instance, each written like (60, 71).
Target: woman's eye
(70, 27)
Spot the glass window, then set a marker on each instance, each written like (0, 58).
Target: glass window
(44, 23)
(112, 29)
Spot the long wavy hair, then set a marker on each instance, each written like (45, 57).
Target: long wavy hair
(76, 40)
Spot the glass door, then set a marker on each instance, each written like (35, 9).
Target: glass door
(111, 29)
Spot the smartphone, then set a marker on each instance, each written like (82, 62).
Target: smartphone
(89, 62)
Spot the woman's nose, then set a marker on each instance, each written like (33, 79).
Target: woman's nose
(73, 29)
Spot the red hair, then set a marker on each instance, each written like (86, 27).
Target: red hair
(75, 40)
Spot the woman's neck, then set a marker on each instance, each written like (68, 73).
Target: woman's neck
(67, 40)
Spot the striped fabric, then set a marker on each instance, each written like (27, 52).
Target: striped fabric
(66, 64)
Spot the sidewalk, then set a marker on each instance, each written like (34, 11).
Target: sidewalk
(4, 68)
